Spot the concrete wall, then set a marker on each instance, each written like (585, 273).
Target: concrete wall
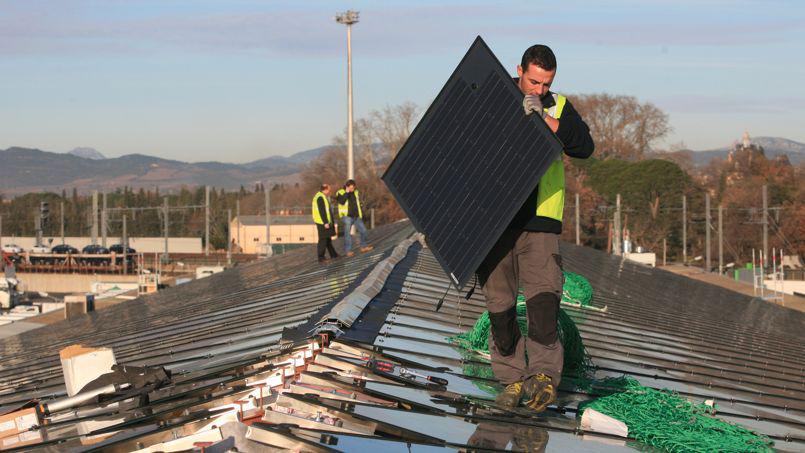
(68, 283)
(144, 244)
(251, 238)
(787, 286)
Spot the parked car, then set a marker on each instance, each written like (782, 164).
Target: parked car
(95, 249)
(12, 248)
(40, 249)
(118, 248)
(62, 249)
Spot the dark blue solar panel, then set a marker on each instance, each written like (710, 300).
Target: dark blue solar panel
(470, 163)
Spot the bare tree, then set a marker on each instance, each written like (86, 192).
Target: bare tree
(622, 126)
(376, 140)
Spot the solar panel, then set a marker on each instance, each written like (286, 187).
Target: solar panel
(470, 163)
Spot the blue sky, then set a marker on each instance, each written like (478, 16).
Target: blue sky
(238, 80)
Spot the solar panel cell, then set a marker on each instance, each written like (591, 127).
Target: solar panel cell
(470, 163)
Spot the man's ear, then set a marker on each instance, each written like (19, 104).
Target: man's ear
(519, 71)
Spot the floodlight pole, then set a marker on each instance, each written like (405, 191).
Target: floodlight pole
(348, 18)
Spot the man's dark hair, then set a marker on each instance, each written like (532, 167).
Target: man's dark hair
(350, 182)
(324, 186)
(539, 55)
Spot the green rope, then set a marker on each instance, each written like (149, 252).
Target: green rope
(665, 420)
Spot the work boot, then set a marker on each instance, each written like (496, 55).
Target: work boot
(539, 392)
(510, 396)
(368, 248)
(350, 253)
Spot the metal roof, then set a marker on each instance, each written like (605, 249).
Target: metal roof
(222, 335)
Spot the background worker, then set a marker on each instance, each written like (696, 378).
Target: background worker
(323, 218)
(350, 211)
(527, 254)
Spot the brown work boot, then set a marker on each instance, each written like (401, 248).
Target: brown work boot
(368, 248)
(350, 253)
(539, 392)
(510, 396)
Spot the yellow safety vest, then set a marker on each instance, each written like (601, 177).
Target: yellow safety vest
(551, 193)
(316, 215)
(343, 209)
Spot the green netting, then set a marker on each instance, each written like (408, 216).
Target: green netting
(577, 290)
(665, 420)
(659, 418)
(577, 362)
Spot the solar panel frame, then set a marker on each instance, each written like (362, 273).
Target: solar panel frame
(470, 163)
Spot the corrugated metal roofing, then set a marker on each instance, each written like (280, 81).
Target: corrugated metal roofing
(223, 334)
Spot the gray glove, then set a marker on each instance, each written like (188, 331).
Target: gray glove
(532, 103)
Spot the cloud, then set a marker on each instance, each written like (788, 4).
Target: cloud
(89, 28)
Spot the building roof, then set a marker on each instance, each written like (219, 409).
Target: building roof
(249, 324)
(260, 220)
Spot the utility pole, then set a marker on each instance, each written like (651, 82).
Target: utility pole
(707, 231)
(206, 220)
(267, 192)
(165, 256)
(229, 237)
(94, 217)
(237, 216)
(348, 18)
(61, 214)
(664, 252)
(125, 242)
(38, 226)
(684, 229)
(720, 239)
(616, 243)
(103, 221)
(765, 222)
(578, 227)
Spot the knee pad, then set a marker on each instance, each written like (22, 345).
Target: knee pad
(505, 331)
(543, 313)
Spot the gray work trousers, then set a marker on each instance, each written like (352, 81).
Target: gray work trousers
(529, 260)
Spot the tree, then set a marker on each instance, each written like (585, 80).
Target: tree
(621, 126)
(376, 140)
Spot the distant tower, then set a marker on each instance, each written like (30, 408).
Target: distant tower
(745, 140)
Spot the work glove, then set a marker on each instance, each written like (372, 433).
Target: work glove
(532, 103)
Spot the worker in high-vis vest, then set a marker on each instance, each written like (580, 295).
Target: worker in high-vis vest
(351, 213)
(527, 255)
(323, 217)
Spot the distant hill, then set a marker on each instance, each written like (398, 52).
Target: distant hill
(87, 153)
(772, 147)
(24, 170)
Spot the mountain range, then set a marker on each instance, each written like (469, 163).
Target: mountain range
(24, 170)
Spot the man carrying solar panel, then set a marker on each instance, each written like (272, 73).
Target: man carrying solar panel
(527, 255)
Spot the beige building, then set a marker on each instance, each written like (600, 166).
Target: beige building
(249, 231)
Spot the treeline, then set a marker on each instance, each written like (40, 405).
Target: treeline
(143, 209)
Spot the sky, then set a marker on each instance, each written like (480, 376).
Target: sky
(240, 80)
